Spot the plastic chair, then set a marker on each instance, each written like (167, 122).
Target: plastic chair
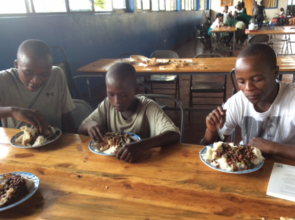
(208, 86)
(260, 39)
(60, 59)
(165, 79)
(93, 100)
(82, 111)
(180, 107)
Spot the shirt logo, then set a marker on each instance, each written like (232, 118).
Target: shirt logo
(49, 94)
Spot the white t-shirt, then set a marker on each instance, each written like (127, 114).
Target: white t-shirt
(277, 124)
(52, 100)
(216, 23)
(225, 17)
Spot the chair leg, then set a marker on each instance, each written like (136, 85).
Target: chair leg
(190, 102)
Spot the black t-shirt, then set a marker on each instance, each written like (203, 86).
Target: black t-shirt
(260, 10)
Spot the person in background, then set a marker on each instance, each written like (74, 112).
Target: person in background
(123, 110)
(35, 92)
(243, 9)
(217, 23)
(255, 10)
(240, 33)
(282, 13)
(242, 16)
(263, 108)
(225, 14)
(261, 14)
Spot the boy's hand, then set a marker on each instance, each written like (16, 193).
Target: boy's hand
(32, 117)
(97, 133)
(215, 119)
(130, 152)
(265, 146)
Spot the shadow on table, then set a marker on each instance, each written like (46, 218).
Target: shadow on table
(32, 206)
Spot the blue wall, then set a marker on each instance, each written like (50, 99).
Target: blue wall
(89, 37)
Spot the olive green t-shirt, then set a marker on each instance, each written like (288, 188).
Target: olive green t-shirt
(52, 100)
(148, 120)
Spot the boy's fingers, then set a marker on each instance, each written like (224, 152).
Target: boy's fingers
(124, 154)
(128, 158)
(118, 155)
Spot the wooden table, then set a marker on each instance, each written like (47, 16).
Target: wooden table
(169, 183)
(224, 29)
(271, 32)
(204, 66)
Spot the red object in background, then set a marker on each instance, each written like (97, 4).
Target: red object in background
(249, 31)
(274, 20)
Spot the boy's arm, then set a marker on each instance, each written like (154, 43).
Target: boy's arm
(131, 151)
(68, 123)
(93, 129)
(30, 116)
(269, 147)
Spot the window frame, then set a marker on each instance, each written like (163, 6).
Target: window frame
(277, 5)
(29, 4)
(151, 6)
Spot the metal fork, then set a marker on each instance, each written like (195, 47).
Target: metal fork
(219, 130)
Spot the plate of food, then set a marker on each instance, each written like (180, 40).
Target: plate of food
(228, 158)
(16, 187)
(126, 60)
(29, 137)
(139, 59)
(113, 142)
(154, 61)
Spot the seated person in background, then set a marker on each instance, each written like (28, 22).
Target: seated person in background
(282, 13)
(34, 92)
(217, 23)
(263, 108)
(240, 33)
(122, 110)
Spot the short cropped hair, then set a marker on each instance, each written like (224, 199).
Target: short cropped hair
(122, 72)
(35, 48)
(267, 54)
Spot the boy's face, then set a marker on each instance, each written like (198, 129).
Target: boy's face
(34, 73)
(220, 18)
(121, 95)
(255, 78)
(225, 9)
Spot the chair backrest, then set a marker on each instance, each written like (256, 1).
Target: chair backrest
(164, 54)
(258, 39)
(180, 107)
(82, 111)
(60, 59)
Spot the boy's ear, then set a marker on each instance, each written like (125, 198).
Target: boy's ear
(15, 64)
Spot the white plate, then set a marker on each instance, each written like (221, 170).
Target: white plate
(203, 151)
(32, 190)
(58, 131)
(139, 59)
(94, 146)
(126, 60)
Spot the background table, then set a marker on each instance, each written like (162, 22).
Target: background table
(168, 183)
(224, 29)
(204, 66)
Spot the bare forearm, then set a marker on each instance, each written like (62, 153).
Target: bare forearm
(6, 112)
(83, 128)
(284, 150)
(165, 139)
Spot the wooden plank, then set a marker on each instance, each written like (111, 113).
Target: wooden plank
(202, 65)
(224, 29)
(165, 183)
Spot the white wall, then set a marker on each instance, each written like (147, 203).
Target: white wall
(215, 7)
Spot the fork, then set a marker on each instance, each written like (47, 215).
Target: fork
(219, 130)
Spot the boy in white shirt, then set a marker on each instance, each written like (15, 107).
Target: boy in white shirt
(263, 108)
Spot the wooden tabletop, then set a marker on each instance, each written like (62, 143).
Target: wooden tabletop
(168, 183)
(276, 31)
(200, 66)
(224, 29)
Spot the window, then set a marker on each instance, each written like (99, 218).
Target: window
(12, 7)
(60, 6)
(171, 5)
(157, 5)
(80, 5)
(270, 3)
(188, 5)
(43, 6)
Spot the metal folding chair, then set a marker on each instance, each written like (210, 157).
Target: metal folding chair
(82, 111)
